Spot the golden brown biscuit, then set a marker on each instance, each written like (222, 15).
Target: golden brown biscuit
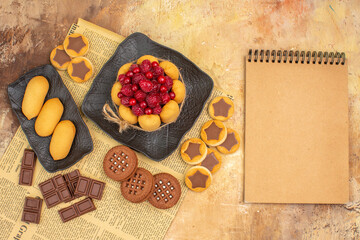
(123, 69)
(80, 69)
(170, 112)
(62, 139)
(49, 117)
(126, 114)
(212, 161)
(221, 108)
(34, 96)
(76, 45)
(149, 122)
(213, 133)
(170, 69)
(59, 58)
(198, 178)
(116, 88)
(193, 151)
(179, 89)
(231, 143)
(148, 57)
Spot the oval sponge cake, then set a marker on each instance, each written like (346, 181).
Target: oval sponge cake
(62, 140)
(34, 96)
(49, 117)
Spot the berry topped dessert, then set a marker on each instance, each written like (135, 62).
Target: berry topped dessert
(148, 92)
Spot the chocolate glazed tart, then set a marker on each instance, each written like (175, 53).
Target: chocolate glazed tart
(82, 144)
(161, 143)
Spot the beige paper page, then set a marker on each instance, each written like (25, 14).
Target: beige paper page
(115, 218)
(296, 133)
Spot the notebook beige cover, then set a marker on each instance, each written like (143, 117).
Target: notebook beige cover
(296, 130)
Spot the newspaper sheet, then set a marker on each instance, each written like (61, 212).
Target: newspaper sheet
(115, 217)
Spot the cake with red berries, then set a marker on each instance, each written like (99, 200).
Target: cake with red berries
(149, 92)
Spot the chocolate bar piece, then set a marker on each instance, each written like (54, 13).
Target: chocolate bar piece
(77, 209)
(71, 180)
(55, 191)
(90, 187)
(27, 167)
(32, 210)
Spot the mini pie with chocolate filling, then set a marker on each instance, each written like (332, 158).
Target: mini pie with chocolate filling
(59, 58)
(76, 45)
(198, 178)
(193, 151)
(213, 132)
(80, 69)
(231, 143)
(221, 108)
(212, 161)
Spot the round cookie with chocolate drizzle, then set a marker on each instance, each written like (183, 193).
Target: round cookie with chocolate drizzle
(212, 161)
(221, 108)
(231, 143)
(59, 58)
(120, 163)
(76, 45)
(198, 178)
(213, 132)
(167, 191)
(138, 187)
(193, 151)
(80, 69)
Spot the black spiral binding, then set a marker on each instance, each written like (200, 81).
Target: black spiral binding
(296, 57)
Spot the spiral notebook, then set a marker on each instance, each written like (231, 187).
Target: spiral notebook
(296, 127)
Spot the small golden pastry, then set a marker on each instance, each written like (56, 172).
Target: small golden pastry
(179, 89)
(76, 45)
(62, 139)
(198, 178)
(221, 108)
(123, 69)
(149, 122)
(193, 151)
(212, 161)
(116, 88)
(170, 69)
(170, 112)
(80, 69)
(213, 133)
(231, 143)
(49, 117)
(148, 57)
(34, 96)
(59, 58)
(126, 114)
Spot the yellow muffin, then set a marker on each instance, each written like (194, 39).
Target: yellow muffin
(59, 58)
(49, 117)
(170, 69)
(213, 133)
(80, 69)
(123, 69)
(34, 96)
(170, 112)
(198, 178)
(114, 93)
(126, 114)
(193, 151)
(231, 143)
(148, 57)
(62, 139)
(221, 108)
(76, 45)
(179, 89)
(149, 122)
(212, 161)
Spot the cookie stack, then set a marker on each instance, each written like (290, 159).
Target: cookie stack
(213, 133)
(138, 184)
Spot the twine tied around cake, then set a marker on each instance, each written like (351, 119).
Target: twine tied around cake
(111, 116)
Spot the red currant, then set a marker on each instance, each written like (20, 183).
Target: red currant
(172, 95)
(129, 74)
(154, 64)
(163, 88)
(149, 75)
(161, 79)
(127, 80)
(134, 87)
(136, 70)
(148, 111)
(120, 95)
(132, 101)
(143, 104)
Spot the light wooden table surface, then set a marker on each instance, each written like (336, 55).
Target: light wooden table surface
(216, 35)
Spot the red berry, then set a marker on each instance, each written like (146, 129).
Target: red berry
(146, 85)
(121, 78)
(120, 95)
(158, 71)
(133, 66)
(127, 80)
(161, 79)
(137, 78)
(145, 66)
(157, 109)
(125, 101)
(149, 75)
(134, 87)
(154, 64)
(126, 90)
(172, 95)
(148, 111)
(143, 104)
(140, 95)
(168, 82)
(165, 98)
(136, 70)
(129, 74)
(163, 88)
(137, 110)
(132, 101)
(153, 99)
